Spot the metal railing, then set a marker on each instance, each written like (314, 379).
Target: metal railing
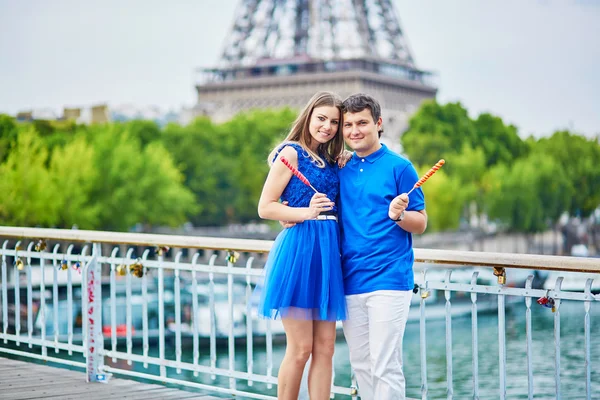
(89, 296)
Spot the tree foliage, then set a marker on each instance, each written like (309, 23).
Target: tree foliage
(135, 184)
(445, 197)
(26, 187)
(8, 135)
(118, 175)
(530, 195)
(72, 178)
(579, 158)
(225, 165)
(526, 185)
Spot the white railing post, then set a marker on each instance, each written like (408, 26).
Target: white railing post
(93, 313)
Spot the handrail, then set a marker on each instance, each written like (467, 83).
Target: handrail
(140, 239)
(433, 256)
(508, 260)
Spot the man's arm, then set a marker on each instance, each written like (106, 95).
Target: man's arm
(414, 221)
(410, 221)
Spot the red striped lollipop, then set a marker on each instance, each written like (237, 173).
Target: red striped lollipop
(297, 173)
(427, 175)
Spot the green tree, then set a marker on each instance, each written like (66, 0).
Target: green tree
(225, 165)
(146, 131)
(436, 130)
(8, 135)
(500, 143)
(579, 158)
(250, 138)
(58, 133)
(468, 168)
(27, 192)
(162, 182)
(73, 175)
(445, 198)
(530, 195)
(198, 150)
(136, 185)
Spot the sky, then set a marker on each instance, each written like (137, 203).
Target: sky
(535, 63)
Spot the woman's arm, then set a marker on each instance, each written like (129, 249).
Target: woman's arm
(279, 176)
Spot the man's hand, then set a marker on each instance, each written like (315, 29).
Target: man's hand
(397, 206)
(286, 224)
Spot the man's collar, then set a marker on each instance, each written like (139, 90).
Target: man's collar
(373, 156)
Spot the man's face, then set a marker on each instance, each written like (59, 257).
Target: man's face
(361, 133)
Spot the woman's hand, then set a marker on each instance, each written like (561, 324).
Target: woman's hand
(318, 204)
(343, 159)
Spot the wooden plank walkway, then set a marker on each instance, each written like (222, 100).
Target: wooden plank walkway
(20, 380)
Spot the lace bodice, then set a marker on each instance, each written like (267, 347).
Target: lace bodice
(325, 180)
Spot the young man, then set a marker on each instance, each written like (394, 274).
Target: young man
(377, 220)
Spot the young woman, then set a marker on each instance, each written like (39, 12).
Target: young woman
(303, 282)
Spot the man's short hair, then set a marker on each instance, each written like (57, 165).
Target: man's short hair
(358, 102)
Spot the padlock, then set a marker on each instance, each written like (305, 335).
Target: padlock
(424, 294)
(121, 270)
(19, 264)
(547, 302)
(501, 274)
(63, 265)
(161, 250)
(502, 278)
(551, 304)
(232, 256)
(542, 301)
(40, 245)
(137, 269)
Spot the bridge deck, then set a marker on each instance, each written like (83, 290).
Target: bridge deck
(20, 380)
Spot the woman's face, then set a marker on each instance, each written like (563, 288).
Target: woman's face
(324, 124)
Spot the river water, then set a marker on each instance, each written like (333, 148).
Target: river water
(572, 356)
(572, 370)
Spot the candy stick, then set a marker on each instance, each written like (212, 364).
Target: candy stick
(298, 174)
(424, 178)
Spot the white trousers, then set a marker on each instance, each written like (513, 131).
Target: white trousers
(374, 330)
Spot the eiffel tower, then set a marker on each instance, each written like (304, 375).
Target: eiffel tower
(280, 52)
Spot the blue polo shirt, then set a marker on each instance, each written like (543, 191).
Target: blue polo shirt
(376, 253)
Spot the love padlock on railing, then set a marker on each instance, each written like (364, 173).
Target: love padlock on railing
(137, 269)
(77, 266)
(121, 269)
(63, 265)
(162, 250)
(40, 245)
(500, 272)
(232, 256)
(547, 302)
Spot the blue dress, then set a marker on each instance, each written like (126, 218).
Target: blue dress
(303, 273)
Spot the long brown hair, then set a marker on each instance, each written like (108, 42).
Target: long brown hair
(300, 133)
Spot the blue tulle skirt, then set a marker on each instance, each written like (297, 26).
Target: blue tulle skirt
(303, 274)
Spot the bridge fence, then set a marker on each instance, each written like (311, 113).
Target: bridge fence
(103, 301)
